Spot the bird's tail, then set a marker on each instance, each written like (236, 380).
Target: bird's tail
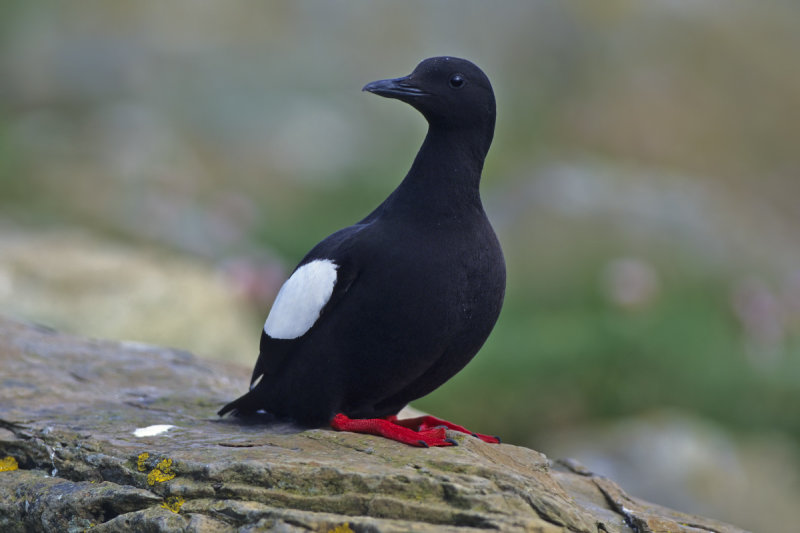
(244, 405)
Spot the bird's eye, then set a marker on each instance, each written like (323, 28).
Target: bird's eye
(457, 81)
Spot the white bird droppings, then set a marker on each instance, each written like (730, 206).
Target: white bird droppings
(152, 431)
(301, 299)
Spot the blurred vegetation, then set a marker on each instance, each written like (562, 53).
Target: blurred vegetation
(643, 179)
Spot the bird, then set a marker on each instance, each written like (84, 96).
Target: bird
(383, 312)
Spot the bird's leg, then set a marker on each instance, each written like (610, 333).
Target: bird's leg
(433, 436)
(427, 422)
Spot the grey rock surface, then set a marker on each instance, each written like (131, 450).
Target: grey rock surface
(70, 459)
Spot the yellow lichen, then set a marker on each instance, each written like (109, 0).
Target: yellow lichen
(140, 461)
(344, 528)
(173, 503)
(161, 473)
(8, 463)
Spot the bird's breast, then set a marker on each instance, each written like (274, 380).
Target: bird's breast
(442, 277)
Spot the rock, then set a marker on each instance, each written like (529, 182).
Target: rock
(69, 408)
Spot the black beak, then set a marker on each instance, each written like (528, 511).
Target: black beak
(400, 88)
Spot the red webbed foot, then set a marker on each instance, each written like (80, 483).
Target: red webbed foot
(427, 422)
(384, 427)
(420, 431)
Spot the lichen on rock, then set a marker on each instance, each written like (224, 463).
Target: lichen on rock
(8, 463)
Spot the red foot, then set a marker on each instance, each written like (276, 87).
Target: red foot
(421, 431)
(422, 423)
(392, 431)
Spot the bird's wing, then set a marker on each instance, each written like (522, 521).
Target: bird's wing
(318, 283)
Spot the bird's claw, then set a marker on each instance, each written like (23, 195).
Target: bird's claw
(491, 439)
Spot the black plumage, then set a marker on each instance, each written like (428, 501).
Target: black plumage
(418, 284)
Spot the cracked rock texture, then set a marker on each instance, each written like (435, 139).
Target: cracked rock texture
(69, 408)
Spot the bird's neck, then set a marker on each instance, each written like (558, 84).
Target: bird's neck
(445, 176)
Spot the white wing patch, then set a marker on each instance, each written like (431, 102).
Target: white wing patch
(301, 299)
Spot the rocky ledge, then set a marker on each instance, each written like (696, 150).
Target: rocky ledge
(113, 436)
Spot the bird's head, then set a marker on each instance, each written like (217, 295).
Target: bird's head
(450, 93)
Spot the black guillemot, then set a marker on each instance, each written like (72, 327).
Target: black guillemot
(385, 311)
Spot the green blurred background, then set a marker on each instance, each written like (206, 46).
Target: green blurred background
(164, 165)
